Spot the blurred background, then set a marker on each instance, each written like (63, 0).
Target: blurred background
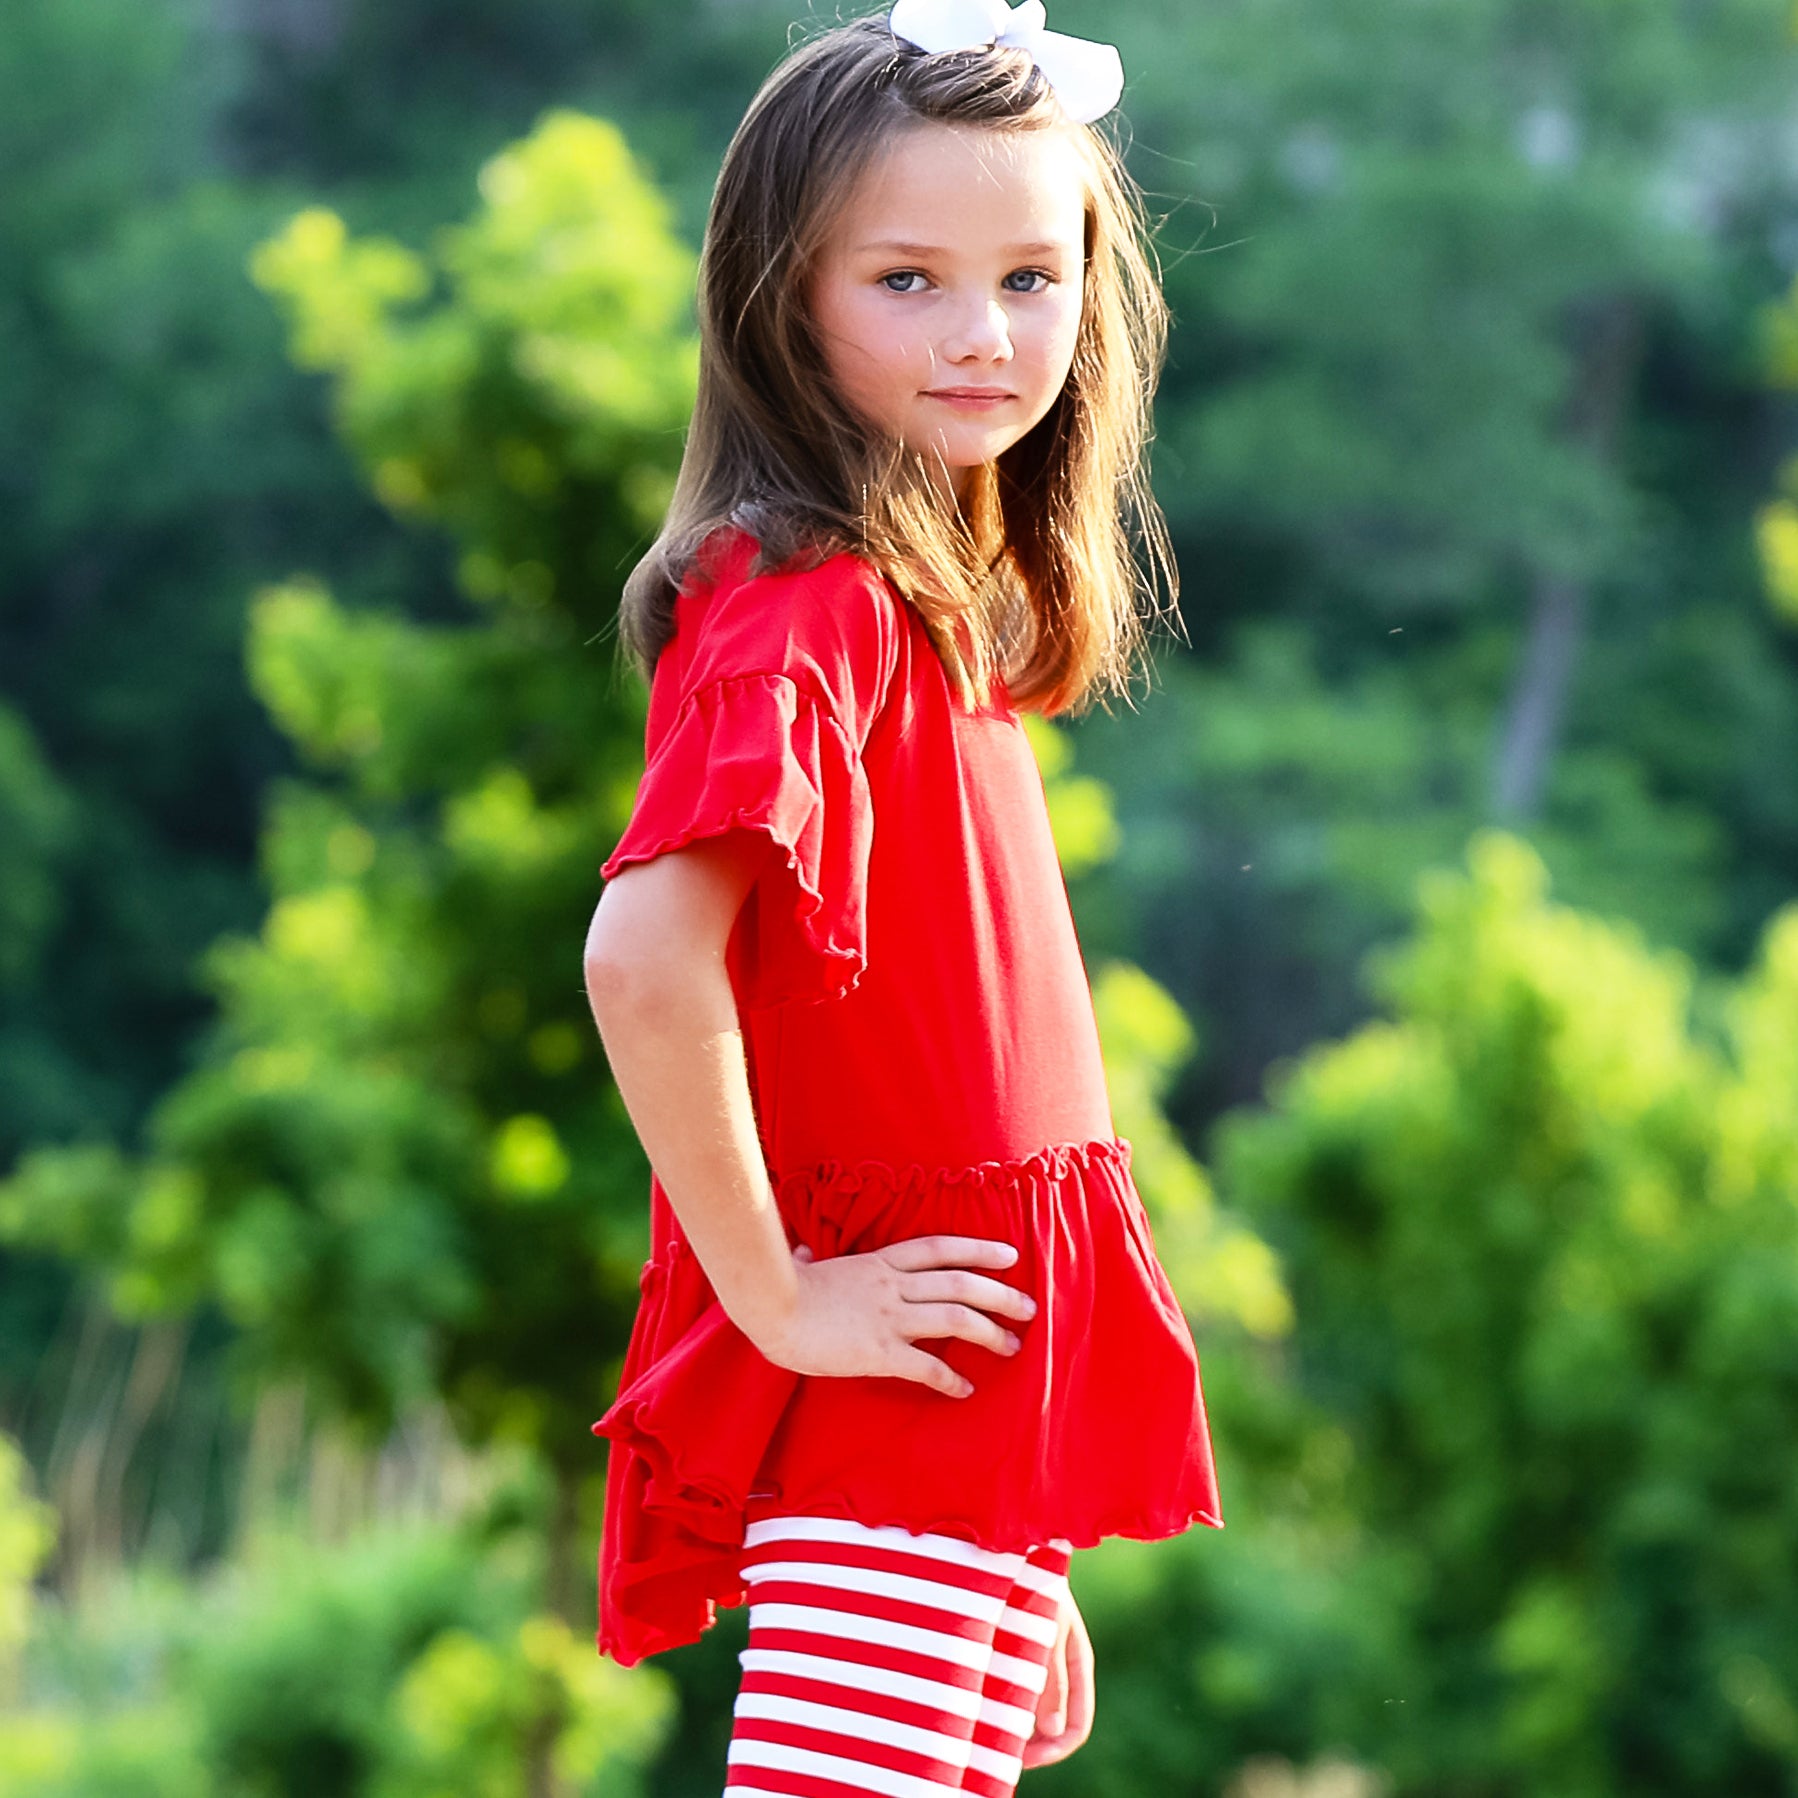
(1440, 896)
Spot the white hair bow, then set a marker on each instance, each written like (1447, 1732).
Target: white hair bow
(1087, 77)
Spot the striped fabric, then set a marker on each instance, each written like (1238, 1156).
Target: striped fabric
(883, 1661)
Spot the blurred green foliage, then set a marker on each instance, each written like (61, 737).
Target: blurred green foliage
(155, 458)
(397, 1171)
(1465, 431)
(403, 1663)
(1541, 1224)
(1776, 524)
(27, 1527)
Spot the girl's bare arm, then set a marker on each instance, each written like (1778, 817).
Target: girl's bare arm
(662, 999)
(656, 980)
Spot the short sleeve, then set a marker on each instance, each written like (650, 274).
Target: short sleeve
(760, 712)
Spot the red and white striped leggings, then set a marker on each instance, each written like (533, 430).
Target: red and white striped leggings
(883, 1661)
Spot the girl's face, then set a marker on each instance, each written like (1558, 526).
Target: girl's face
(957, 264)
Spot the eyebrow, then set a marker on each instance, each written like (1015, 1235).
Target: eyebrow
(931, 249)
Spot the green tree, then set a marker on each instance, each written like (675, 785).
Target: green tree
(1541, 1229)
(1777, 522)
(1458, 443)
(1499, 216)
(396, 1171)
(153, 444)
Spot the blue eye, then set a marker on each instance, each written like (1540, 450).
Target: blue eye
(901, 274)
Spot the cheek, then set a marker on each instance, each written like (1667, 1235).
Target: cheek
(881, 340)
(845, 333)
(1056, 338)
(1068, 333)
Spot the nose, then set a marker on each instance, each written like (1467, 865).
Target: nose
(982, 332)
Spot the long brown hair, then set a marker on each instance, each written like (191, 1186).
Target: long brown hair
(1033, 578)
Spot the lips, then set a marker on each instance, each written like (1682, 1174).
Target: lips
(969, 393)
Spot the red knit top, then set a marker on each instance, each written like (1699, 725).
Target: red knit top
(923, 1057)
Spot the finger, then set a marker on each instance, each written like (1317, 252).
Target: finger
(917, 1252)
(933, 1320)
(971, 1289)
(1082, 1685)
(1052, 1708)
(930, 1370)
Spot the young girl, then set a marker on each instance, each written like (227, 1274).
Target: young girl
(903, 1341)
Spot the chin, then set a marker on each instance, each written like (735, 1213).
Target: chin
(967, 454)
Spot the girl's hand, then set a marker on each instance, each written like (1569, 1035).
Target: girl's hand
(859, 1314)
(1064, 1713)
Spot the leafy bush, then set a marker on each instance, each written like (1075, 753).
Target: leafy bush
(407, 1663)
(1541, 1229)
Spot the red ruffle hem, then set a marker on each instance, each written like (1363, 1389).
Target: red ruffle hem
(1095, 1428)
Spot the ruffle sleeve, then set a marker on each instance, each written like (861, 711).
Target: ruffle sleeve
(756, 752)
(760, 717)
